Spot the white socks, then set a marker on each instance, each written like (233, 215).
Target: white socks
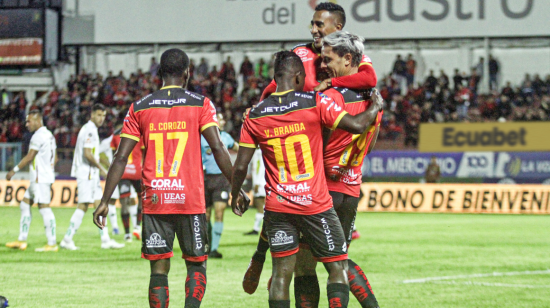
(49, 225)
(104, 234)
(75, 223)
(25, 221)
(258, 221)
(133, 209)
(112, 216)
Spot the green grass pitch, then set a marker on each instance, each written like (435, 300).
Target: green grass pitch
(394, 247)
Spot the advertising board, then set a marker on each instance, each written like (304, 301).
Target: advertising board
(508, 136)
(455, 198)
(521, 165)
(286, 20)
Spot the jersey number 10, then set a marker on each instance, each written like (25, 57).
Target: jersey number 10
(291, 156)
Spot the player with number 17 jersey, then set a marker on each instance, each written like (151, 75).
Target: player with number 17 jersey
(288, 128)
(170, 122)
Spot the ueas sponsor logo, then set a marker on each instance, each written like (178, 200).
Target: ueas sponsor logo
(173, 198)
(155, 241)
(167, 184)
(281, 239)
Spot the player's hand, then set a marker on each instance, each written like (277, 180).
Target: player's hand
(377, 99)
(100, 215)
(9, 175)
(240, 204)
(325, 84)
(246, 112)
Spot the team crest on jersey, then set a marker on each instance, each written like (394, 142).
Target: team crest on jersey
(280, 198)
(155, 241)
(281, 239)
(155, 199)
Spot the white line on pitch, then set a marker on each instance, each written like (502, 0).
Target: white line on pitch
(494, 274)
(490, 284)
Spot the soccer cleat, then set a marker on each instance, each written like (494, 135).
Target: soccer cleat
(69, 245)
(21, 245)
(128, 237)
(252, 276)
(116, 231)
(214, 254)
(355, 235)
(137, 232)
(111, 244)
(47, 248)
(253, 232)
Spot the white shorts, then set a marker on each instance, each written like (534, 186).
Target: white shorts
(261, 191)
(88, 190)
(39, 193)
(133, 192)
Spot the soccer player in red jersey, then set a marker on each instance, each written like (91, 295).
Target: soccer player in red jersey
(170, 122)
(328, 18)
(130, 178)
(288, 128)
(343, 158)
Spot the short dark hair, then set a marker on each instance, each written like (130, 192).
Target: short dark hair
(36, 111)
(96, 107)
(286, 62)
(173, 63)
(333, 8)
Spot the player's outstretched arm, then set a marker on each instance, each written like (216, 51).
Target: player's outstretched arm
(25, 161)
(240, 170)
(359, 123)
(116, 170)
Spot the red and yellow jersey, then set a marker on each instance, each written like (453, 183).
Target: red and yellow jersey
(311, 58)
(170, 122)
(288, 128)
(344, 152)
(133, 167)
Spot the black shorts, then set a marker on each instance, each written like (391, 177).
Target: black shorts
(216, 189)
(124, 187)
(322, 232)
(157, 237)
(346, 209)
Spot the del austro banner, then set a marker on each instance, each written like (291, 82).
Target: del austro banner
(472, 137)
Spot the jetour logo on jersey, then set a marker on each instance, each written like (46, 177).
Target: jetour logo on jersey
(155, 241)
(167, 184)
(281, 239)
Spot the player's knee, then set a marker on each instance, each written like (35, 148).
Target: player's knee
(161, 267)
(336, 267)
(190, 264)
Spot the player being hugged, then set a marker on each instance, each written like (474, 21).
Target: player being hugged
(42, 154)
(170, 122)
(287, 127)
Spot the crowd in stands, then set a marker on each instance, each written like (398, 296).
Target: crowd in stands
(456, 99)
(66, 110)
(439, 98)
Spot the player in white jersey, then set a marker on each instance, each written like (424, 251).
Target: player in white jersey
(258, 186)
(87, 169)
(105, 160)
(42, 154)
